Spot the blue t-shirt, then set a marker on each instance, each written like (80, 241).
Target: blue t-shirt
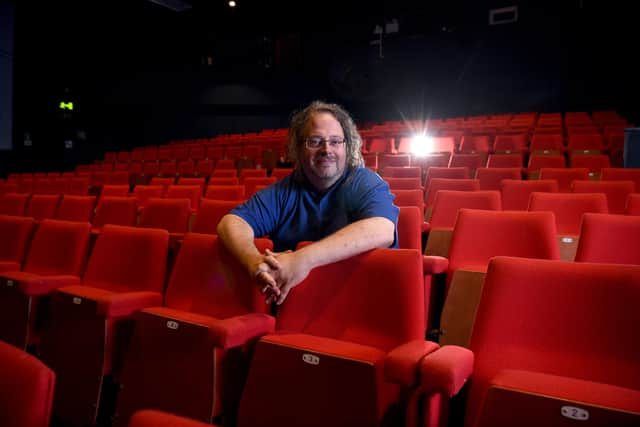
(292, 211)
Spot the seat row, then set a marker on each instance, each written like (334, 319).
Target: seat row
(349, 346)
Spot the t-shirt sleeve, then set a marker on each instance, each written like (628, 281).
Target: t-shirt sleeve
(261, 211)
(373, 198)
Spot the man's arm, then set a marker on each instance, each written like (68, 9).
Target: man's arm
(237, 235)
(353, 239)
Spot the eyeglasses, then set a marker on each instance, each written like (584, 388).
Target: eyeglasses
(317, 141)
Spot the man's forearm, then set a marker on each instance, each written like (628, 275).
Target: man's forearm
(351, 240)
(238, 237)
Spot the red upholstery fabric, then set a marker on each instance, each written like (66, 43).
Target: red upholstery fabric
(207, 280)
(212, 305)
(609, 239)
(153, 418)
(116, 210)
(114, 304)
(190, 192)
(31, 284)
(403, 183)
(510, 143)
(336, 329)
(537, 162)
(402, 172)
(91, 324)
(633, 204)
(164, 182)
(616, 191)
(490, 177)
(568, 208)
(505, 161)
(414, 197)
(516, 193)
(397, 160)
(139, 253)
(622, 174)
(225, 192)
(26, 389)
(570, 389)
(470, 161)
(475, 144)
(250, 184)
(13, 204)
(493, 233)
(445, 172)
(564, 176)
(546, 142)
(167, 214)
(56, 258)
(335, 288)
(15, 234)
(402, 363)
(115, 191)
(210, 214)
(76, 208)
(58, 247)
(528, 318)
(446, 370)
(585, 142)
(447, 203)
(438, 184)
(42, 206)
(254, 173)
(410, 222)
(594, 162)
(144, 193)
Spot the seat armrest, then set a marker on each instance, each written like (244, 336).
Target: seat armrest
(34, 284)
(125, 304)
(446, 370)
(402, 364)
(237, 331)
(434, 264)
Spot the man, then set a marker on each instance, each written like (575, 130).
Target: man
(331, 199)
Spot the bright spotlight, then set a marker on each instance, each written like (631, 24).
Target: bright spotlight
(421, 145)
(232, 3)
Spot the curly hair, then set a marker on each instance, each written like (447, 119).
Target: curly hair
(353, 141)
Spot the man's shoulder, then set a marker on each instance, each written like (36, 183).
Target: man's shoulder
(363, 176)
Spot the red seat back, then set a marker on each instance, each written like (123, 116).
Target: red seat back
(609, 239)
(207, 279)
(329, 302)
(128, 259)
(58, 248)
(26, 389)
(568, 208)
(528, 318)
(493, 233)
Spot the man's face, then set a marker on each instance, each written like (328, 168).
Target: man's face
(323, 165)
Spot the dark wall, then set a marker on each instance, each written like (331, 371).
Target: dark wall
(140, 74)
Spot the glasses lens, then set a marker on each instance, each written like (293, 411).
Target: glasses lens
(315, 141)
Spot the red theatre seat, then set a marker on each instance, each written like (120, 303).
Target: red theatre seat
(56, 258)
(26, 389)
(15, 234)
(91, 323)
(532, 368)
(335, 330)
(609, 239)
(213, 312)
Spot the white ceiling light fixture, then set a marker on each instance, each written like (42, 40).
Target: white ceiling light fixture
(232, 3)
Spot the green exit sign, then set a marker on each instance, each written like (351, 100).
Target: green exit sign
(66, 105)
